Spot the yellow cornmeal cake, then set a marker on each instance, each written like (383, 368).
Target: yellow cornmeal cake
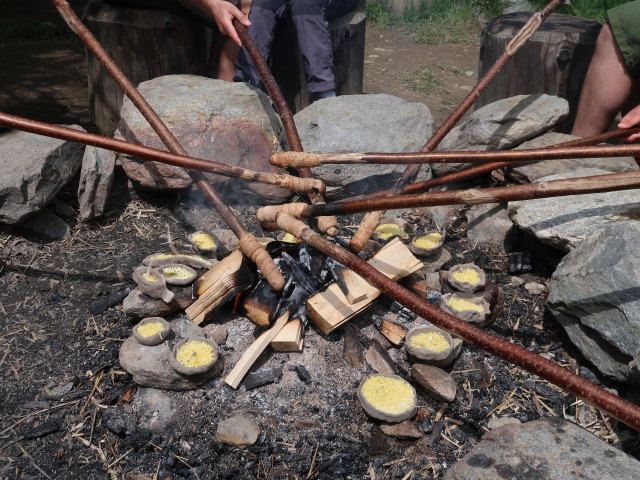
(288, 238)
(429, 241)
(149, 329)
(433, 341)
(176, 272)
(195, 354)
(468, 275)
(204, 241)
(389, 395)
(461, 305)
(387, 230)
(148, 277)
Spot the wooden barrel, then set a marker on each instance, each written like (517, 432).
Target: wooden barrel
(145, 44)
(553, 61)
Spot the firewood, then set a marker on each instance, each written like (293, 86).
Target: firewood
(331, 308)
(227, 278)
(290, 337)
(392, 331)
(252, 353)
(260, 303)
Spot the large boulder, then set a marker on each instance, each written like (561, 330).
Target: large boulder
(564, 223)
(549, 449)
(489, 227)
(595, 295)
(531, 171)
(33, 170)
(363, 123)
(502, 125)
(230, 123)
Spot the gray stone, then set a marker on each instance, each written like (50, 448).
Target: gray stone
(149, 367)
(363, 123)
(517, 281)
(47, 223)
(501, 125)
(435, 381)
(550, 449)
(379, 359)
(185, 328)
(228, 241)
(230, 123)
(434, 263)
(489, 226)
(33, 170)
(595, 295)
(62, 209)
(497, 422)
(138, 305)
(156, 410)
(238, 431)
(405, 430)
(531, 171)
(535, 288)
(217, 333)
(441, 216)
(119, 421)
(96, 178)
(564, 223)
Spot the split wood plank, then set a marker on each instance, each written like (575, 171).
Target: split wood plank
(227, 278)
(252, 353)
(290, 337)
(331, 308)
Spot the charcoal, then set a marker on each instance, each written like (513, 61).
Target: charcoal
(262, 377)
(520, 262)
(302, 372)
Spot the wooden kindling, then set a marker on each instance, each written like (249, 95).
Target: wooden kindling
(576, 385)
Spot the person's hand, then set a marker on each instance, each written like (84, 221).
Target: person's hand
(223, 13)
(630, 120)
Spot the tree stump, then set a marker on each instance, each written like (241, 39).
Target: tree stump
(553, 61)
(347, 37)
(145, 44)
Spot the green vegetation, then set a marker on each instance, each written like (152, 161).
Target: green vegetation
(593, 9)
(19, 27)
(430, 21)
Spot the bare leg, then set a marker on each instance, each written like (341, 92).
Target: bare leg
(227, 63)
(606, 90)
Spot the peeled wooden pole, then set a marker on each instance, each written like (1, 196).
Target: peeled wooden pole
(248, 243)
(488, 167)
(286, 181)
(328, 225)
(372, 219)
(613, 405)
(291, 159)
(553, 188)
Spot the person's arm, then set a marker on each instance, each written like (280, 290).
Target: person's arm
(223, 13)
(631, 119)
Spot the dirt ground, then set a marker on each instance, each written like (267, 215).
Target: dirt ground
(59, 368)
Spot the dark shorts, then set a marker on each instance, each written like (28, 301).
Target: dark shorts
(625, 24)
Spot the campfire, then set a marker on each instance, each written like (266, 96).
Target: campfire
(323, 278)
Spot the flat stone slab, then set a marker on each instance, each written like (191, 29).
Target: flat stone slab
(564, 222)
(531, 171)
(238, 431)
(546, 449)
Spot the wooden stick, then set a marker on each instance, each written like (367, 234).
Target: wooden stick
(252, 353)
(553, 188)
(250, 246)
(288, 159)
(613, 405)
